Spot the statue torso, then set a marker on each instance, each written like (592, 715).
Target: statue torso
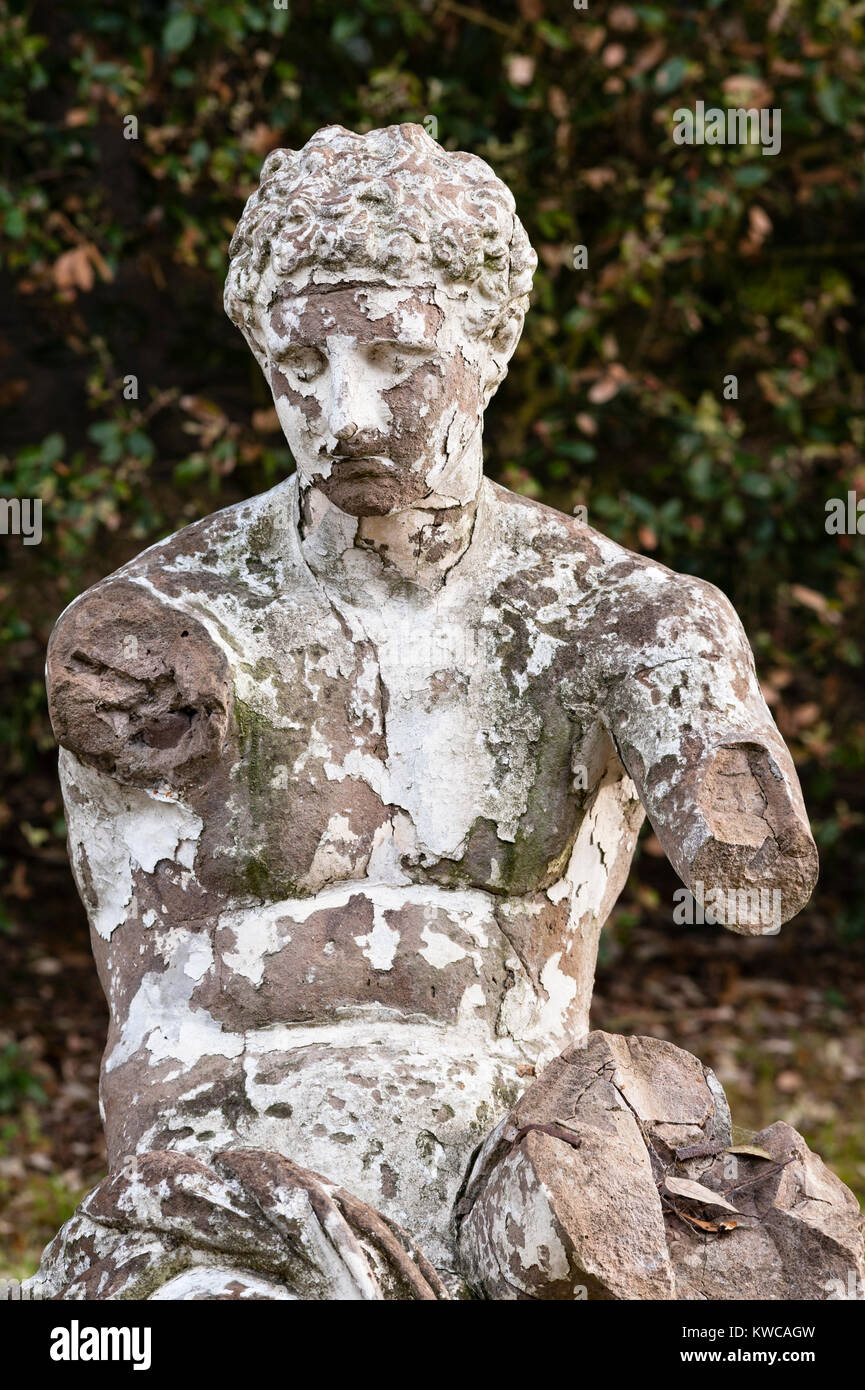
(311, 812)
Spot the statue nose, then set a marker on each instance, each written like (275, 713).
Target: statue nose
(346, 432)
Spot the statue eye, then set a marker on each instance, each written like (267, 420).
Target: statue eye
(393, 358)
(304, 363)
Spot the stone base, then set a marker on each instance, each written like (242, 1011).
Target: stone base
(615, 1177)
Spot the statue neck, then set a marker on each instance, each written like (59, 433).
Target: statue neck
(418, 544)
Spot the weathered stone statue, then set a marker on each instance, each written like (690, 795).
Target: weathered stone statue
(353, 774)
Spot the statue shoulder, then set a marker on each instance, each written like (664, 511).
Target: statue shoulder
(136, 685)
(642, 617)
(649, 601)
(536, 537)
(636, 583)
(628, 609)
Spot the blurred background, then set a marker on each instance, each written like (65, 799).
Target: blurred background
(131, 406)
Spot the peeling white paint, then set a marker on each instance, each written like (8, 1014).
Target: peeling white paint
(118, 830)
(161, 1024)
(379, 945)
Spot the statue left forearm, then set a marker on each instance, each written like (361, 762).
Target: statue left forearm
(714, 774)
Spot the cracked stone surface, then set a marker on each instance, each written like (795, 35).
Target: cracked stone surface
(255, 1226)
(610, 1206)
(353, 771)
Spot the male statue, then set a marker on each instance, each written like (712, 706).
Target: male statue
(354, 770)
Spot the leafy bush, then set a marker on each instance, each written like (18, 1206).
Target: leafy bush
(703, 261)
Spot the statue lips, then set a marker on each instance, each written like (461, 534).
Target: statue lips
(356, 467)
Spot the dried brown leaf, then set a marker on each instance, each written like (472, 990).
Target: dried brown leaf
(696, 1192)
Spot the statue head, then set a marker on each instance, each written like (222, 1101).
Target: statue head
(381, 283)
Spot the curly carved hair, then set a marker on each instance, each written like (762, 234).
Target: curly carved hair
(390, 205)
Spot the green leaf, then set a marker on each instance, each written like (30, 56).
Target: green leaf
(555, 36)
(670, 75)
(733, 511)
(829, 102)
(190, 469)
(179, 31)
(652, 16)
(52, 449)
(756, 484)
(751, 175)
(15, 224)
(579, 449)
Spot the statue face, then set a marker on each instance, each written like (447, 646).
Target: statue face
(378, 392)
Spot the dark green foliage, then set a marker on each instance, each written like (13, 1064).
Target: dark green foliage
(17, 1084)
(702, 262)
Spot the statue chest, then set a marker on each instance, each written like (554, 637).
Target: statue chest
(399, 747)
